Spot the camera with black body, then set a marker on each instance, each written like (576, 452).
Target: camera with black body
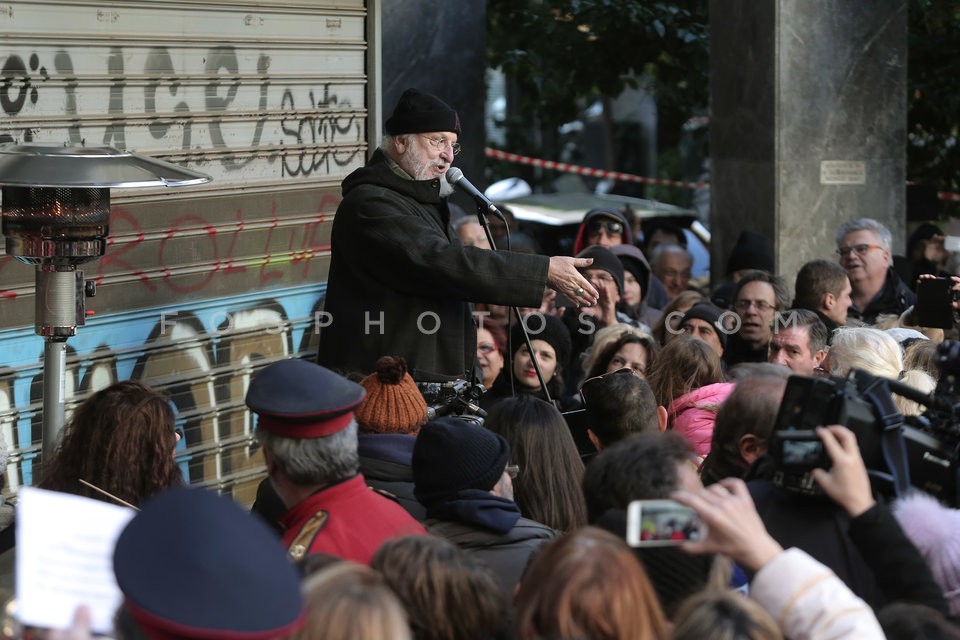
(452, 397)
(798, 451)
(812, 402)
(922, 451)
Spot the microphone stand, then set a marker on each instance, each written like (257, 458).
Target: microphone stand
(482, 218)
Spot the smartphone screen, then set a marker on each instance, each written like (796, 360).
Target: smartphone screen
(652, 523)
(935, 303)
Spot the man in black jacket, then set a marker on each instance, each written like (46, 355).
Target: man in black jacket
(400, 282)
(864, 247)
(460, 475)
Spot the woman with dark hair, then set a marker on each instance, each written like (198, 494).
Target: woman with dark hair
(552, 345)
(491, 351)
(588, 584)
(550, 471)
(448, 593)
(630, 351)
(121, 440)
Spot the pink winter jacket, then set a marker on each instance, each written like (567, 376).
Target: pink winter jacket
(694, 413)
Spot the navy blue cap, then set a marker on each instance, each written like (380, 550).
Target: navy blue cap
(299, 399)
(193, 564)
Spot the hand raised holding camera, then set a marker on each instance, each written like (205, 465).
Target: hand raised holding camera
(847, 482)
(734, 528)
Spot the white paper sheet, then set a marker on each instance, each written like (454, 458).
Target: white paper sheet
(65, 558)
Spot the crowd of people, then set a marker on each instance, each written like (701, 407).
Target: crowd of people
(507, 514)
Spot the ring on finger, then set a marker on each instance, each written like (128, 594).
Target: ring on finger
(580, 291)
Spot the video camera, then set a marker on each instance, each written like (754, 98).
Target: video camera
(453, 397)
(923, 451)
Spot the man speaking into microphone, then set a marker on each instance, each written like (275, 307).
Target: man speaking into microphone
(400, 283)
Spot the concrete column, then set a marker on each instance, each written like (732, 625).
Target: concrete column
(808, 122)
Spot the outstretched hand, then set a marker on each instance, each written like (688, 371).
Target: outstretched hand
(734, 528)
(563, 276)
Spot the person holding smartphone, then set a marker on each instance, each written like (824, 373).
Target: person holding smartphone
(792, 585)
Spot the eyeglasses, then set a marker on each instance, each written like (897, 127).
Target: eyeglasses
(486, 348)
(596, 381)
(744, 305)
(602, 277)
(442, 143)
(610, 226)
(861, 249)
(513, 470)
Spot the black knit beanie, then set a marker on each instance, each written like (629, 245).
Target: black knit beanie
(551, 330)
(708, 312)
(452, 454)
(752, 251)
(418, 112)
(604, 259)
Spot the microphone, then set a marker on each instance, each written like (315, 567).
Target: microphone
(456, 178)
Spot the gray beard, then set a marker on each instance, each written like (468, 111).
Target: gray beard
(446, 189)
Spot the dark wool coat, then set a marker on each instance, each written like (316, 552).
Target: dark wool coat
(894, 297)
(395, 263)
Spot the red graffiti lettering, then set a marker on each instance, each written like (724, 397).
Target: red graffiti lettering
(208, 275)
(113, 257)
(274, 274)
(229, 267)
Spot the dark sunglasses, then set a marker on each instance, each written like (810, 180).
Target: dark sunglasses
(611, 226)
(592, 384)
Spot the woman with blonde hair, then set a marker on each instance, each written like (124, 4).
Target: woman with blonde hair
(349, 601)
(587, 584)
(877, 352)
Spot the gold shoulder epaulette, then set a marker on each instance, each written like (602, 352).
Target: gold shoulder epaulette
(304, 540)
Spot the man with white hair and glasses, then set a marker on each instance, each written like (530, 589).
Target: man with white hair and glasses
(864, 249)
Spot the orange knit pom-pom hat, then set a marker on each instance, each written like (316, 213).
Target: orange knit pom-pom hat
(393, 403)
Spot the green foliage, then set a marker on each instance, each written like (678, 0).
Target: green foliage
(933, 151)
(560, 52)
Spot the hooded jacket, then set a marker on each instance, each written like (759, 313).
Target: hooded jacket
(636, 263)
(581, 241)
(693, 414)
(400, 281)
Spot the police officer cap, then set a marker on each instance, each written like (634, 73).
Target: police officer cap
(193, 564)
(300, 399)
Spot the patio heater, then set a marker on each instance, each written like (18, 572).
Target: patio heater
(56, 216)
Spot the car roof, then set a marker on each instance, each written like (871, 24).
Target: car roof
(563, 208)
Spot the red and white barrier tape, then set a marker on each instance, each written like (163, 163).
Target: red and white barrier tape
(618, 175)
(588, 171)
